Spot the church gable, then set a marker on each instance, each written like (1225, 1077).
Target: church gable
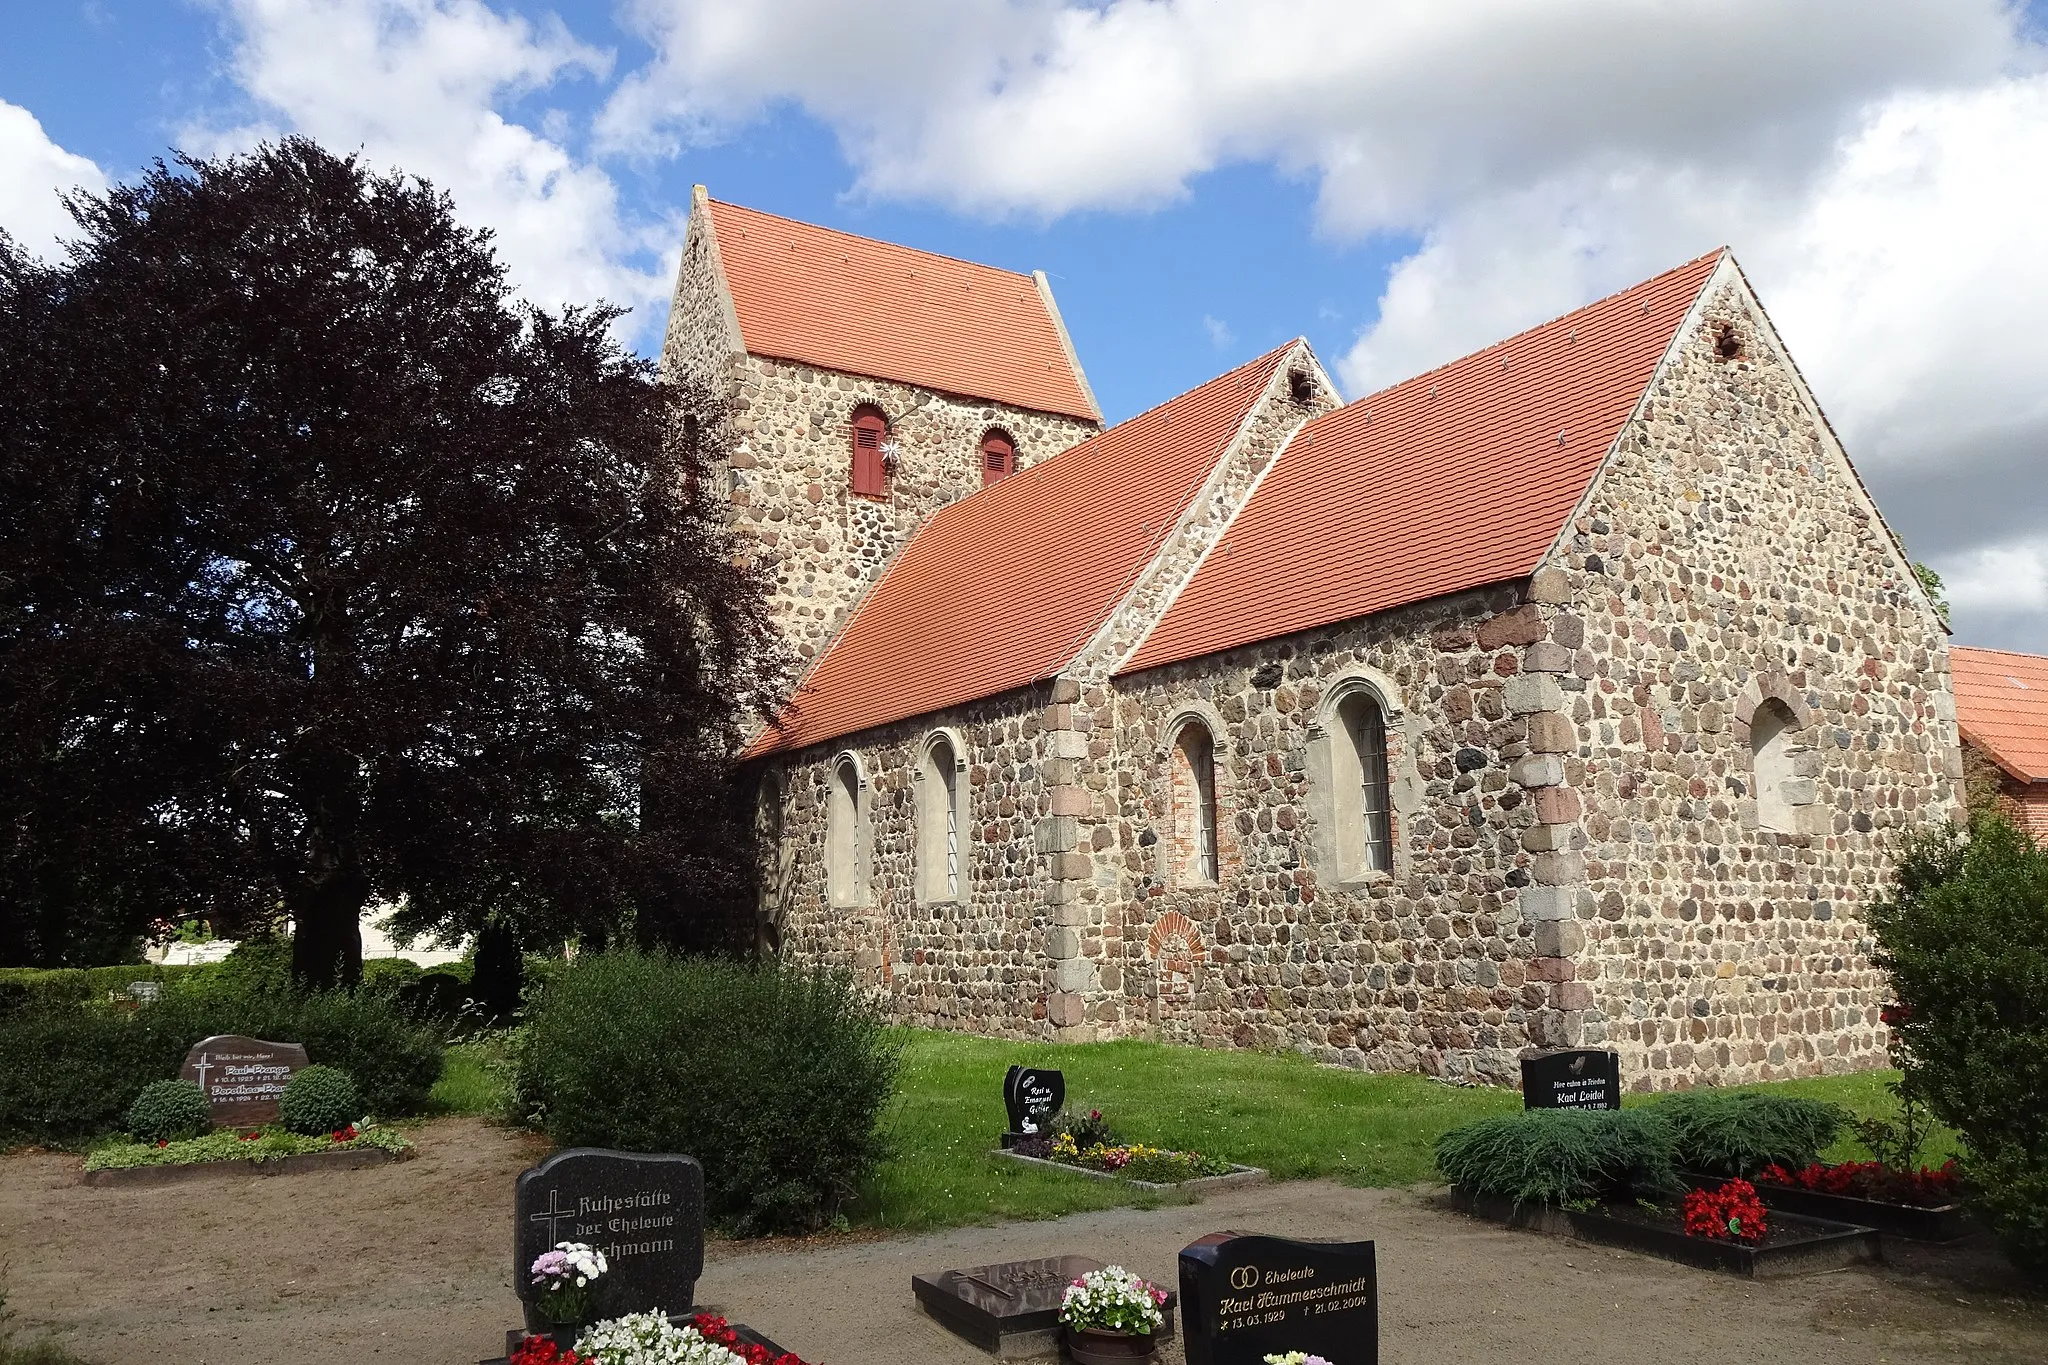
(1446, 482)
(1007, 586)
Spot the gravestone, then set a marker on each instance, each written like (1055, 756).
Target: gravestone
(1243, 1297)
(1580, 1079)
(1012, 1309)
(644, 1212)
(1032, 1098)
(242, 1077)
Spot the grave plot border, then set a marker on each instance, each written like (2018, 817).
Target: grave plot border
(747, 1335)
(298, 1164)
(1938, 1223)
(1236, 1175)
(1819, 1245)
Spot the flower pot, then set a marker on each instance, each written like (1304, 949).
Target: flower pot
(1099, 1346)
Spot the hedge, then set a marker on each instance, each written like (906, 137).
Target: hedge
(70, 1073)
(773, 1078)
(32, 987)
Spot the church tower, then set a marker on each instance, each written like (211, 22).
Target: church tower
(870, 384)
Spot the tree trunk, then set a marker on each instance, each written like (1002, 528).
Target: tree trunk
(327, 936)
(500, 972)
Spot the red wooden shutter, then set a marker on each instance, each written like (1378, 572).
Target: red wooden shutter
(870, 479)
(998, 458)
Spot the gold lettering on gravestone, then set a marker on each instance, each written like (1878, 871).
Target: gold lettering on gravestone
(1256, 1303)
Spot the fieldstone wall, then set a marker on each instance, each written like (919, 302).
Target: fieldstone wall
(1424, 967)
(788, 479)
(977, 963)
(1580, 856)
(1728, 558)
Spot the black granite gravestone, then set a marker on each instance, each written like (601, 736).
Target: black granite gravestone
(1580, 1079)
(1243, 1297)
(1012, 1309)
(644, 1212)
(1032, 1098)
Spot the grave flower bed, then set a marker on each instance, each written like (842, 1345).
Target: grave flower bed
(1609, 1176)
(271, 1143)
(1133, 1161)
(1924, 1188)
(652, 1339)
(1924, 1205)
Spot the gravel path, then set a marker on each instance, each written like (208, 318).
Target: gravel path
(410, 1263)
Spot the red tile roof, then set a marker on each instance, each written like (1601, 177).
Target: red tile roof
(1453, 479)
(2002, 707)
(853, 304)
(1004, 587)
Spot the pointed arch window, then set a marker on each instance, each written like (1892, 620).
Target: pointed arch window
(870, 475)
(998, 456)
(1192, 764)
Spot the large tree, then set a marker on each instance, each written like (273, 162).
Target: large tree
(330, 572)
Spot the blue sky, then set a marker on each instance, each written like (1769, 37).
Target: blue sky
(1399, 180)
(1157, 301)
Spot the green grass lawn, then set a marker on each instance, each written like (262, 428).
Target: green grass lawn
(1279, 1111)
(476, 1078)
(1276, 1110)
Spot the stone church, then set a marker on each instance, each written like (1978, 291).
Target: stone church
(1567, 694)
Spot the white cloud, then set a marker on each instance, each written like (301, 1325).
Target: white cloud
(420, 85)
(1217, 330)
(34, 172)
(2001, 581)
(1402, 107)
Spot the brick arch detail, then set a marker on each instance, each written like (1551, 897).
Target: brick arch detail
(1171, 929)
(1769, 685)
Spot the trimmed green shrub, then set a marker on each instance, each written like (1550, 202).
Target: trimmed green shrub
(40, 987)
(71, 1073)
(1963, 930)
(1561, 1156)
(390, 975)
(319, 1099)
(394, 1057)
(436, 995)
(169, 1111)
(773, 1078)
(1732, 1133)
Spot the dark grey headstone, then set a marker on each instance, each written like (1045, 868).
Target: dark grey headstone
(1032, 1098)
(1579, 1079)
(1243, 1297)
(1012, 1309)
(644, 1212)
(243, 1078)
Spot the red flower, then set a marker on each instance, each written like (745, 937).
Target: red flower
(543, 1351)
(249, 1137)
(163, 1142)
(347, 1134)
(1894, 1015)
(1731, 1213)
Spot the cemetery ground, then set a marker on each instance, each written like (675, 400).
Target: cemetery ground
(409, 1261)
